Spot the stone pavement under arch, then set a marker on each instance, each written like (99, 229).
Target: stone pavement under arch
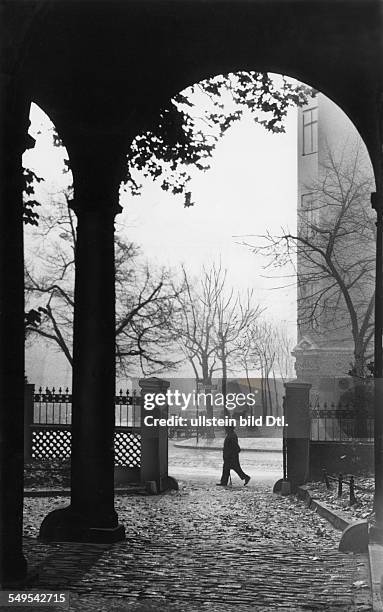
(204, 548)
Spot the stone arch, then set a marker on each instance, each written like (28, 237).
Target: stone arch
(332, 46)
(97, 77)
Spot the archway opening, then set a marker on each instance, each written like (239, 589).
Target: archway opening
(243, 206)
(49, 239)
(326, 157)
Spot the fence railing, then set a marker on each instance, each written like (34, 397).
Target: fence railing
(340, 423)
(51, 407)
(48, 419)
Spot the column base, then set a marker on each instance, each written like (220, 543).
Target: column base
(31, 576)
(66, 525)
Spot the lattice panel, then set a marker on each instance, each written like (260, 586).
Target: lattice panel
(56, 443)
(127, 449)
(51, 443)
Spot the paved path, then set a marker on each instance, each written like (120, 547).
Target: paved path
(249, 444)
(185, 463)
(205, 548)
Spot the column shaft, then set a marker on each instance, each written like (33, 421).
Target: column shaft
(13, 131)
(94, 369)
(377, 203)
(96, 165)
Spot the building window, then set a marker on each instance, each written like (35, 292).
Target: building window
(310, 131)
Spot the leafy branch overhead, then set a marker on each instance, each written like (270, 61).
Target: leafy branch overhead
(185, 135)
(30, 216)
(190, 127)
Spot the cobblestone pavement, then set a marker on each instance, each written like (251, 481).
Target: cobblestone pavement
(204, 548)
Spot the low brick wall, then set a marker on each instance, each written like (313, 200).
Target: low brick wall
(343, 457)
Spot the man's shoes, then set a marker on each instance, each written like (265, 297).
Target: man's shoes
(220, 484)
(247, 479)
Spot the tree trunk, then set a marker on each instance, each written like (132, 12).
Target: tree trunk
(276, 395)
(249, 387)
(263, 395)
(206, 382)
(224, 382)
(269, 393)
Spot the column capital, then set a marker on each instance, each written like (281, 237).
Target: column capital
(97, 208)
(98, 163)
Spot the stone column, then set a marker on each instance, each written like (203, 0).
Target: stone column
(96, 167)
(377, 203)
(29, 394)
(14, 111)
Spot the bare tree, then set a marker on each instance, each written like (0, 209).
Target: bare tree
(334, 247)
(266, 349)
(247, 358)
(49, 275)
(145, 299)
(196, 327)
(284, 361)
(146, 304)
(212, 327)
(280, 346)
(265, 352)
(235, 315)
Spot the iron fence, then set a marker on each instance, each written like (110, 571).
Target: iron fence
(49, 419)
(51, 407)
(340, 423)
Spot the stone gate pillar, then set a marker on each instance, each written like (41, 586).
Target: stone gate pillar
(297, 433)
(14, 111)
(154, 439)
(97, 171)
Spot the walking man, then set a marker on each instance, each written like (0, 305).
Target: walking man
(231, 450)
